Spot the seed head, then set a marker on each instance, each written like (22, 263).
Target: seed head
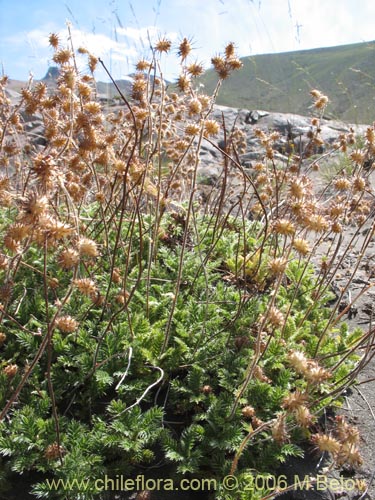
(142, 65)
(192, 129)
(3, 338)
(357, 156)
(275, 317)
(68, 258)
(211, 127)
(297, 189)
(324, 442)
(301, 246)
(10, 371)
(350, 455)
(87, 247)
(18, 231)
(321, 102)
(54, 451)
(195, 69)
(184, 49)
(248, 412)
(277, 266)
(234, 63)
(86, 286)
(370, 135)
(259, 375)
(66, 324)
(294, 400)
(346, 433)
(163, 45)
(54, 40)
(315, 374)
(230, 50)
(303, 416)
(342, 184)
(195, 107)
(317, 223)
(206, 389)
(62, 56)
(93, 62)
(284, 226)
(183, 83)
(298, 361)
(336, 228)
(279, 429)
(359, 184)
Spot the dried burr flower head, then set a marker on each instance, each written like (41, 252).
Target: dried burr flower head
(54, 40)
(230, 50)
(10, 371)
(163, 45)
(317, 223)
(66, 324)
(195, 69)
(277, 266)
(294, 400)
(206, 389)
(342, 184)
(248, 411)
(86, 286)
(44, 169)
(284, 227)
(54, 229)
(2, 338)
(18, 232)
(303, 416)
(211, 127)
(184, 49)
(324, 442)
(297, 189)
(87, 247)
(259, 375)
(93, 62)
(336, 227)
(68, 258)
(62, 56)
(192, 129)
(359, 184)
(143, 495)
(195, 107)
(315, 374)
(345, 432)
(320, 100)
(301, 246)
(298, 361)
(279, 429)
(357, 156)
(142, 65)
(183, 83)
(275, 317)
(349, 454)
(54, 451)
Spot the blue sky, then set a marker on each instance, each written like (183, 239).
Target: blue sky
(118, 30)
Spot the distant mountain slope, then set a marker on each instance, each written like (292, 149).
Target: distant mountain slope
(281, 82)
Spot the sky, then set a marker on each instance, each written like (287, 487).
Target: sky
(120, 31)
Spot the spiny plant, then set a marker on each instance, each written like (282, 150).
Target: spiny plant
(145, 317)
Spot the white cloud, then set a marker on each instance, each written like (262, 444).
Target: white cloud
(138, 33)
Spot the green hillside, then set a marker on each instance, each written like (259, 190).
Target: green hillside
(281, 82)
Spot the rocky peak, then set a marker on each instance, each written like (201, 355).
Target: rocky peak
(52, 74)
